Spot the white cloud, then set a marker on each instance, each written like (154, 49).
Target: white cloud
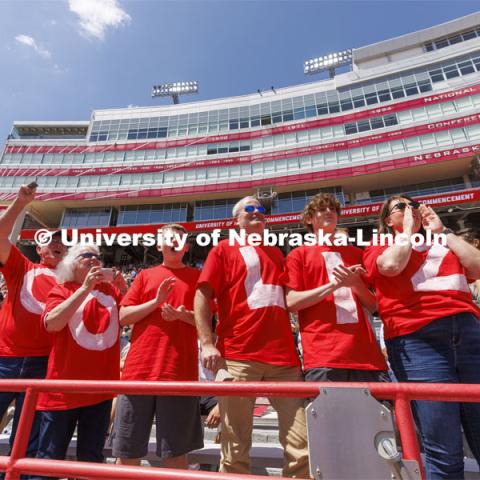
(96, 16)
(30, 42)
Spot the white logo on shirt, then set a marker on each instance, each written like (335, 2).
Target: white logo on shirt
(95, 341)
(425, 279)
(29, 302)
(345, 306)
(259, 294)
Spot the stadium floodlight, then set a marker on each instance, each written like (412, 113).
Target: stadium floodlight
(174, 90)
(328, 62)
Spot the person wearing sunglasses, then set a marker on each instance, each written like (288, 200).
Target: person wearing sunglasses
(324, 285)
(24, 344)
(254, 340)
(81, 315)
(432, 327)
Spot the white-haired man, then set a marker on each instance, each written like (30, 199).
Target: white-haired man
(24, 344)
(254, 341)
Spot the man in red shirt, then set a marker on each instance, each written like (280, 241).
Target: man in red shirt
(81, 314)
(325, 287)
(159, 305)
(24, 343)
(254, 341)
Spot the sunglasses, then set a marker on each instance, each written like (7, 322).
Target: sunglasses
(89, 255)
(401, 206)
(252, 208)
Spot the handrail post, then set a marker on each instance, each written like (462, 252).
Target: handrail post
(22, 436)
(406, 428)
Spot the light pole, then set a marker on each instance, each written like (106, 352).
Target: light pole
(328, 62)
(174, 90)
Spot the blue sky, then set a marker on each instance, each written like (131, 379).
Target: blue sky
(61, 59)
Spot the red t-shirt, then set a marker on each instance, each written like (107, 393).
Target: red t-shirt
(161, 349)
(335, 332)
(433, 285)
(253, 322)
(87, 348)
(21, 330)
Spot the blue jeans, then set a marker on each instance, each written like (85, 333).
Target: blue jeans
(57, 428)
(444, 351)
(15, 368)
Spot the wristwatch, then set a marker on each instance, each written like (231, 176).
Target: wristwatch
(446, 231)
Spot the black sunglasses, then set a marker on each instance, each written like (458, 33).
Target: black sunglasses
(401, 206)
(252, 208)
(89, 255)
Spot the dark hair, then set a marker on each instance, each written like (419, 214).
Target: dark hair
(314, 205)
(385, 212)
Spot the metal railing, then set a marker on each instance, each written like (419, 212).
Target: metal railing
(401, 394)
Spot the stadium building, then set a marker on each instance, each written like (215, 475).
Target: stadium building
(404, 119)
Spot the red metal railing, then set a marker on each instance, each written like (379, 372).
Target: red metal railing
(400, 393)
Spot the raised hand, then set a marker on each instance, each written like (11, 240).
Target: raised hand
(430, 220)
(408, 220)
(164, 289)
(26, 195)
(94, 277)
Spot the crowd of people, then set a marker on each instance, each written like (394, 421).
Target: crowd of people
(62, 318)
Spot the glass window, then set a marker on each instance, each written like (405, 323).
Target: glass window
(411, 89)
(442, 43)
(384, 95)
(425, 86)
(334, 107)
(359, 101)
(466, 67)
(458, 135)
(371, 98)
(299, 113)
(363, 125)
(356, 154)
(377, 122)
(322, 109)
(455, 39)
(451, 71)
(350, 128)
(398, 92)
(436, 76)
(469, 35)
(370, 151)
(255, 122)
(346, 105)
(412, 143)
(390, 120)
(266, 120)
(397, 146)
(427, 141)
(443, 138)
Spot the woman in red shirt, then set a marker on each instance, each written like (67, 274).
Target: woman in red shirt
(431, 324)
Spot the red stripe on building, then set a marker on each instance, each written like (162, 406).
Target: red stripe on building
(452, 198)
